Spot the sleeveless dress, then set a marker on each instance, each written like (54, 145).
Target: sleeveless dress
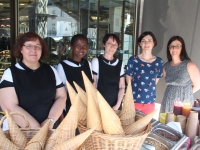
(179, 86)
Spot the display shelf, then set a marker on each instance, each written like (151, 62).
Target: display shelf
(4, 61)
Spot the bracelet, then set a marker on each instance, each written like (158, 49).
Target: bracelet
(52, 120)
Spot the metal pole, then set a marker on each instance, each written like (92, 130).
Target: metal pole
(97, 38)
(122, 29)
(138, 24)
(14, 26)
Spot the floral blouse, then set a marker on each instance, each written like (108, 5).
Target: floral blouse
(144, 78)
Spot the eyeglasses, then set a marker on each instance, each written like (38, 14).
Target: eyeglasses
(176, 47)
(84, 47)
(31, 47)
(113, 45)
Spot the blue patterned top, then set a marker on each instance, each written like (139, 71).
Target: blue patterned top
(144, 78)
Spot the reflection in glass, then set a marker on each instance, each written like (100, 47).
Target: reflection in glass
(5, 60)
(60, 20)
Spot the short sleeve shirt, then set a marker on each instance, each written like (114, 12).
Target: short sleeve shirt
(144, 78)
(7, 80)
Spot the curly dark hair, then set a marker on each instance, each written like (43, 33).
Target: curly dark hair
(29, 36)
(148, 33)
(78, 36)
(183, 54)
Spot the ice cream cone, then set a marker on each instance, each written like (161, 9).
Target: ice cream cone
(82, 109)
(127, 114)
(81, 93)
(110, 121)
(5, 143)
(16, 135)
(140, 125)
(51, 142)
(71, 91)
(89, 86)
(74, 143)
(69, 124)
(93, 114)
(39, 140)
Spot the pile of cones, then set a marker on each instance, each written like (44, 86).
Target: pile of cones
(63, 138)
(100, 126)
(95, 112)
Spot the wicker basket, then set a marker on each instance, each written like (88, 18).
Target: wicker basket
(98, 140)
(28, 132)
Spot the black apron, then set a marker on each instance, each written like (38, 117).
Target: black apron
(108, 82)
(74, 74)
(35, 89)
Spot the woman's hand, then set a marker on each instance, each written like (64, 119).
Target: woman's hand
(116, 107)
(50, 125)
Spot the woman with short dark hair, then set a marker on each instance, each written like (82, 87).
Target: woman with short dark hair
(144, 71)
(108, 72)
(31, 87)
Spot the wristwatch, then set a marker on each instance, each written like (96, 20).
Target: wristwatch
(52, 120)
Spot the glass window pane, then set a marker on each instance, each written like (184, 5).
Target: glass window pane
(55, 21)
(5, 60)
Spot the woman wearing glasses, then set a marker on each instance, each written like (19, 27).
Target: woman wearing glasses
(71, 68)
(31, 87)
(181, 75)
(144, 71)
(108, 72)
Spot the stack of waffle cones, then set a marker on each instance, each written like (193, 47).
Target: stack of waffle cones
(63, 138)
(127, 114)
(105, 119)
(111, 122)
(39, 140)
(17, 137)
(18, 140)
(5, 143)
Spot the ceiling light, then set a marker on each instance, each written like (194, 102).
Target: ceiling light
(94, 17)
(1, 3)
(22, 4)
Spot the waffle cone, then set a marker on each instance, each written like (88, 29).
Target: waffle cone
(93, 114)
(5, 143)
(110, 121)
(51, 142)
(140, 125)
(16, 135)
(82, 109)
(71, 91)
(74, 143)
(81, 93)
(127, 114)
(89, 86)
(39, 140)
(69, 124)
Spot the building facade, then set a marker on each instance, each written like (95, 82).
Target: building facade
(58, 20)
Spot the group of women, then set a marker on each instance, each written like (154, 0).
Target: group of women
(39, 91)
